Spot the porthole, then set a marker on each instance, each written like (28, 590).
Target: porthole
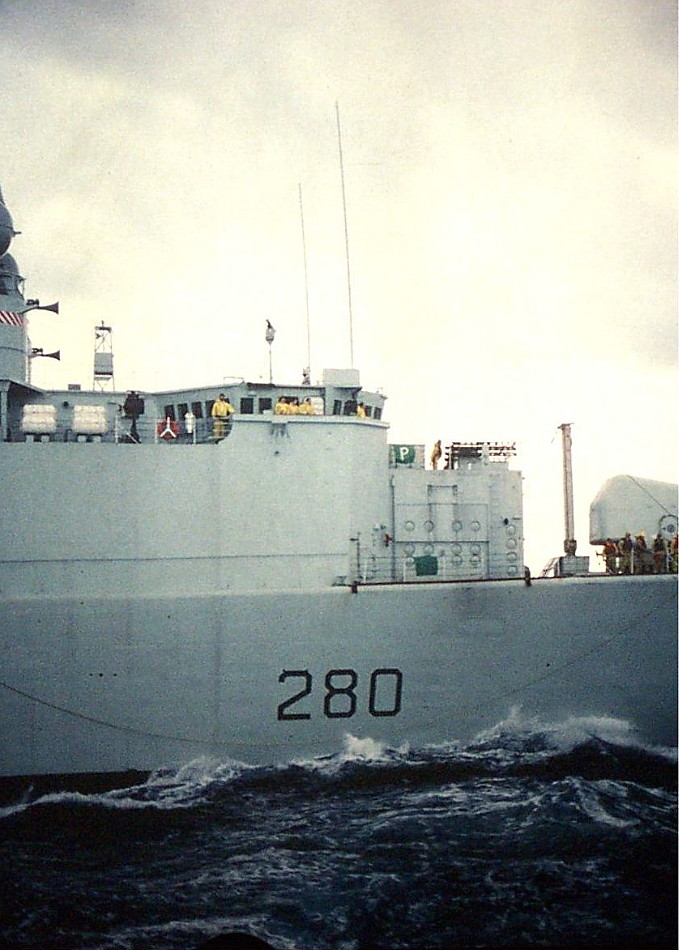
(475, 526)
(511, 530)
(409, 549)
(511, 543)
(429, 526)
(457, 526)
(410, 525)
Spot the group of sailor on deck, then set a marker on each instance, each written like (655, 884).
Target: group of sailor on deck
(222, 410)
(291, 406)
(631, 555)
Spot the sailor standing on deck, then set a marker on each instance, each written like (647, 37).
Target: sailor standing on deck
(625, 546)
(659, 555)
(221, 410)
(436, 454)
(640, 562)
(611, 555)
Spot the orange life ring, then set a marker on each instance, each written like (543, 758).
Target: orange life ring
(168, 430)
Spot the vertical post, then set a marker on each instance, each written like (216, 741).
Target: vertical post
(346, 238)
(392, 498)
(4, 409)
(269, 337)
(306, 284)
(569, 544)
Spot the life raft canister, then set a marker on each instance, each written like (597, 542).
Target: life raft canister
(168, 430)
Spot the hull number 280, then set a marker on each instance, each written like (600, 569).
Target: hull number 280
(342, 694)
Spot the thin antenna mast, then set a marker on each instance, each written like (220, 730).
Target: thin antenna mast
(346, 238)
(306, 285)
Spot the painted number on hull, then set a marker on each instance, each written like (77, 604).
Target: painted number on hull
(340, 699)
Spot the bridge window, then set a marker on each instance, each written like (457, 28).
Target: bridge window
(247, 405)
(197, 409)
(169, 412)
(265, 404)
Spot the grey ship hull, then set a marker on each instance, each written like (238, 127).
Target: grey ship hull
(97, 685)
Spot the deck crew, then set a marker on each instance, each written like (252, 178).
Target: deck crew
(360, 410)
(133, 408)
(436, 454)
(221, 410)
(659, 555)
(282, 407)
(611, 556)
(625, 547)
(643, 560)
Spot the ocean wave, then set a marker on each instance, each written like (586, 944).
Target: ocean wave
(517, 747)
(536, 834)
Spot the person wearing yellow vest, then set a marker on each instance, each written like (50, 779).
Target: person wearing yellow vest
(221, 410)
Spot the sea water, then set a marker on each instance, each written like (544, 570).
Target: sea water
(532, 836)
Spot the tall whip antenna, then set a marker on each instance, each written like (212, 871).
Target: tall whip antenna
(346, 237)
(306, 285)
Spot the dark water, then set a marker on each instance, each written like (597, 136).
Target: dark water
(532, 837)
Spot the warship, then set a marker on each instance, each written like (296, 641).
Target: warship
(250, 571)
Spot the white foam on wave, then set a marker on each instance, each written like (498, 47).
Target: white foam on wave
(362, 748)
(563, 736)
(164, 789)
(354, 749)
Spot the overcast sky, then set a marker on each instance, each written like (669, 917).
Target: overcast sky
(510, 171)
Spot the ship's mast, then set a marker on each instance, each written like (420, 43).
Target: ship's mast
(569, 544)
(346, 238)
(103, 358)
(15, 349)
(306, 286)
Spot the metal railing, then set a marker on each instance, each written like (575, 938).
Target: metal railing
(126, 431)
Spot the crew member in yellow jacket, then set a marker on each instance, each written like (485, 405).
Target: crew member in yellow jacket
(221, 410)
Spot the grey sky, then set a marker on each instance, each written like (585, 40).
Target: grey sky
(510, 170)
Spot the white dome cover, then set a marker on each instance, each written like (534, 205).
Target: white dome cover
(627, 503)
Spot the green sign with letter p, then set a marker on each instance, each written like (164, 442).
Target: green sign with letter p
(402, 454)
